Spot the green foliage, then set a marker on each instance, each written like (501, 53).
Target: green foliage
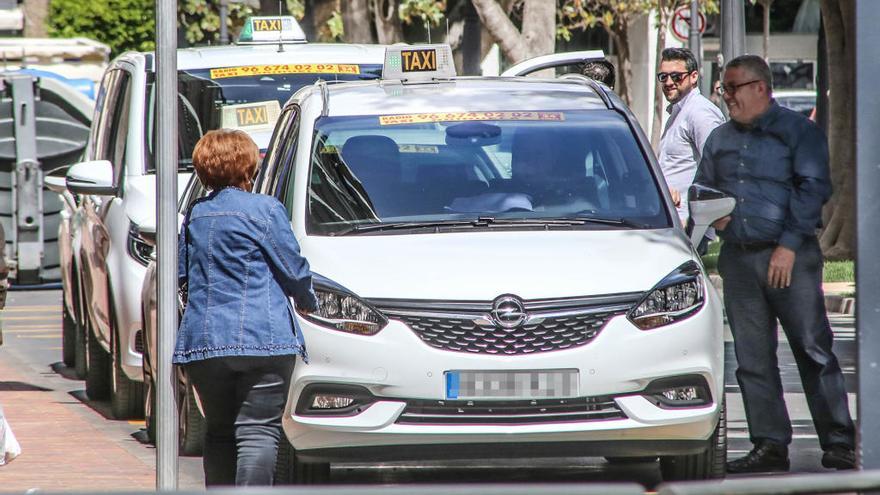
(121, 24)
(710, 259)
(201, 19)
(426, 11)
(839, 271)
(333, 29)
(610, 14)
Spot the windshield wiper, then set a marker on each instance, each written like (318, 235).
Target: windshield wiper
(486, 222)
(376, 227)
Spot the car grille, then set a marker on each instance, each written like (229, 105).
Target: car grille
(467, 327)
(510, 412)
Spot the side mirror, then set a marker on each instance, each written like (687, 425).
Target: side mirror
(706, 205)
(94, 177)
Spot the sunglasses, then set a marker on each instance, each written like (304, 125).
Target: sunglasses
(675, 76)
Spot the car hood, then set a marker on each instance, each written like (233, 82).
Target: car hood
(141, 197)
(479, 266)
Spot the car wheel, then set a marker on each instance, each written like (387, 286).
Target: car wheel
(150, 415)
(98, 370)
(710, 464)
(289, 470)
(80, 364)
(126, 395)
(191, 424)
(68, 335)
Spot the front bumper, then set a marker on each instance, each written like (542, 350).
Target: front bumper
(396, 366)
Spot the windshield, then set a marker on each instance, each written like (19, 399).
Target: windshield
(487, 167)
(248, 98)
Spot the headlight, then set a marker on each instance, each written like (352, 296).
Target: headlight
(138, 248)
(679, 295)
(339, 309)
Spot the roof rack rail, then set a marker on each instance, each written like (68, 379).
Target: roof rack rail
(600, 89)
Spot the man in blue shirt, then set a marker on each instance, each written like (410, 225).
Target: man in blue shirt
(774, 162)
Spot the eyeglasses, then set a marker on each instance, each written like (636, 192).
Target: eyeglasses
(676, 76)
(732, 88)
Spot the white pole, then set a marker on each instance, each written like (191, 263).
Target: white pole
(166, 245)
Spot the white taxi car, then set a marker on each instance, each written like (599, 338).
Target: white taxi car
(240, 87)
(500, 273)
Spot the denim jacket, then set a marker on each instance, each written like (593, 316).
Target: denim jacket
(241, 262)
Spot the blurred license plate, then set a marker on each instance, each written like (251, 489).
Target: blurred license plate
(545, 384)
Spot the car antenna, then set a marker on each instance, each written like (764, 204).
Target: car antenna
(280, 31)
(428, 29)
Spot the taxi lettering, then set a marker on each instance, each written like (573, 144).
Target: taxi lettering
(250, 116)
(419, 60)
(267, 24)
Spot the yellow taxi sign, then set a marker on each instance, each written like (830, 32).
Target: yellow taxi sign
(418, 62)
(271, 29)
(426, 118)
(251, 116)
(280, 69)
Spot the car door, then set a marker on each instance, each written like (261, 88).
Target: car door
(552, 61)
(109, 144)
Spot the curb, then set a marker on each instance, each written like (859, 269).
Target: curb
(834, 303)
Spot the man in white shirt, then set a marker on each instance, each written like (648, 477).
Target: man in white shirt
(691, 118)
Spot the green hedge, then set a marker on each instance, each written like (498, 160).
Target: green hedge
(834, 271)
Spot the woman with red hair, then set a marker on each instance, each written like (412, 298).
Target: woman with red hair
(238, 338)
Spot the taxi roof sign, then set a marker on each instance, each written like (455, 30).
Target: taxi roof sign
(418, 62)
(271, 29)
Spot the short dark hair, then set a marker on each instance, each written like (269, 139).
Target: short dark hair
(756, 65)
(683, 54)
(599, 70)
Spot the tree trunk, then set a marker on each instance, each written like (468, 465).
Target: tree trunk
(663, 15)
(386, 16)
(271, 7)
(356, 21)
(766, 4)
(322, 11)
(838, 237)
(539, 27)
(35, 12)
(501, 28)
(619, 32)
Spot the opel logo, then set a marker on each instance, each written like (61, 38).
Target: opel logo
(508, 312)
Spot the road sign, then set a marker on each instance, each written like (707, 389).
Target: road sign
(681, 23)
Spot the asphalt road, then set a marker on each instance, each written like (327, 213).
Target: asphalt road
(36, 341)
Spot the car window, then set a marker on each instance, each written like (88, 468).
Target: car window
(512, 165)
(247, 98)
(270, 159)
(110, 140)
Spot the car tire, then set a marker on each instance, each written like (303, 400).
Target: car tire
(191, 424)
(289, 470)
(150, 416)
(80, 364)
(68, 335)
(98, 370)
(126, 395)
(710, 464)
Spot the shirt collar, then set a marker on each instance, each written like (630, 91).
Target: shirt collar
(682, 102)
(764, 120)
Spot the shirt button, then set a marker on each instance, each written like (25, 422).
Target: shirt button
(741, 181)
(741, 164)
(745, 220)
(742, 200)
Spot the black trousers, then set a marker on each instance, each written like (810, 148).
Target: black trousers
(753, 309)
(243, 398)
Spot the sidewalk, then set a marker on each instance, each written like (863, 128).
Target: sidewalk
(839, 296)
(62, 447)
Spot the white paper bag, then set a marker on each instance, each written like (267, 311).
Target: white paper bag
(9, 447)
